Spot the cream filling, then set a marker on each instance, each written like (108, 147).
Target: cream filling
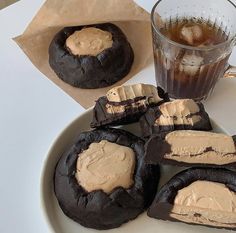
(190, 147)
(130, 92)
(89, 41)
(177, 112)
(123, 93)
(205, 202)
(105, 166)
(112, 109)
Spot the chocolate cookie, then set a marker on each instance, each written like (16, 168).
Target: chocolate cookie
(126, 104)
(102, 181)
(187, 148)
(91, 56)
(182, 114)
(202, 196)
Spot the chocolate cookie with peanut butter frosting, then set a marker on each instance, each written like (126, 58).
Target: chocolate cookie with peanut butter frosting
(181, 114)
(188, 148)
(126, 104)
(91, 56)
(102, 181)
(202, 196)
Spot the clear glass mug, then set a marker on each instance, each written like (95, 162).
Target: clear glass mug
(186, 71)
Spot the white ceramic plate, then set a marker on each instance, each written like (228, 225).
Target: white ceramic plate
(59, 223)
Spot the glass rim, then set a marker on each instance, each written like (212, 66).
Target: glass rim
(189, 47)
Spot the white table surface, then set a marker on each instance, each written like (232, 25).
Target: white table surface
(33, 111)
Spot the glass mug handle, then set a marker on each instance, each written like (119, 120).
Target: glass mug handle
(230, 72)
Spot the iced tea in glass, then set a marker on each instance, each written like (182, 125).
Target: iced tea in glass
(192, 42)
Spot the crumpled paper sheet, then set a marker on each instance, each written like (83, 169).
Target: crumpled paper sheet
(54, 15)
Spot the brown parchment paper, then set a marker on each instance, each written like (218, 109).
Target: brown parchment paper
(56, 14)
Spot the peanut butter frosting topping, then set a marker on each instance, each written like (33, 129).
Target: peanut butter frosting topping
(205, 202)
(105, 166)
(201, 147)
(178, 112)
(89, 41)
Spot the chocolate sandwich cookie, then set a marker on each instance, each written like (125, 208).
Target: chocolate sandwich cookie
(182, 114)
(126, 104)
(202, 196)
(188, 147)
(102, 181)
(91, 56)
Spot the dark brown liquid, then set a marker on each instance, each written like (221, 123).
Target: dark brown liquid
(189, 73)
(193, 32)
